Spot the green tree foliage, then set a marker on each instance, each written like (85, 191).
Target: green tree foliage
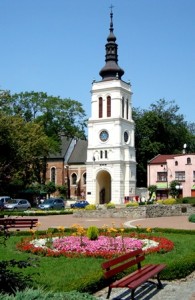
(160, 130)
(30, 127)
(56, 115)
(23, 147)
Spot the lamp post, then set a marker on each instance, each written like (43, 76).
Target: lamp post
(179, 187)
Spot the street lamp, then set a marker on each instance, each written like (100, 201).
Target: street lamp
(179, 187)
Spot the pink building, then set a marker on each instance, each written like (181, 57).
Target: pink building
(163, 169)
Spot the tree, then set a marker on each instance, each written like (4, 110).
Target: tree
(159, 130)
(56, 115)
(23, 148)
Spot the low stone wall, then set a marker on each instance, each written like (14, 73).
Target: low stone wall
(140, 212)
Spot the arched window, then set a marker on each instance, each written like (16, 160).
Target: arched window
(101, 154)
(100, 107)
(123, 107)
(74, 178)
(176, 163)
(188, 160)
(108, 106)
(84, 178)
(127, 109)
(53, 174)
(106, 154)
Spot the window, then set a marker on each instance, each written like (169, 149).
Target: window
(106, 154)
(108, 106)
(74, 178)
(127, 109)
(53, 174)
(84, 178)
(193, 175)
(188, 160)
(101, 154)
(100, 107)
(162, 176)
(123, 107)
(180, 176)
(176, 163)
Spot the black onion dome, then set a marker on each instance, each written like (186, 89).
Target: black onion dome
(111, 69)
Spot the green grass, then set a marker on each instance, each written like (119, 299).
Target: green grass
(84, 274)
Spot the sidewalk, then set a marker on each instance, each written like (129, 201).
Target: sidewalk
(180, 222)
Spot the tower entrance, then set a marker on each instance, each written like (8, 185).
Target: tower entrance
(103, 187)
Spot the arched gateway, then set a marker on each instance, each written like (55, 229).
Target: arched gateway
(103, 187)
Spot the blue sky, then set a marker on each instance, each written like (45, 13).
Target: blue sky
(58, 47)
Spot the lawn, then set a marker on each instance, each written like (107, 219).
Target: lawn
(84, 274)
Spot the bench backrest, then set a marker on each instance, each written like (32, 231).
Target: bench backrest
(18, 222)
(116, 265)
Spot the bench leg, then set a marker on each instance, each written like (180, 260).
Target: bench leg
(109, 292)
(132, 294)
(159, 285)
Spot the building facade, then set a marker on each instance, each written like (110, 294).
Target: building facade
(163, 169)
(111, 162)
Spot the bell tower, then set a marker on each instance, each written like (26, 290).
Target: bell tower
(111, 161)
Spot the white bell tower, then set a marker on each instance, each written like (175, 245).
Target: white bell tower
(111, 161)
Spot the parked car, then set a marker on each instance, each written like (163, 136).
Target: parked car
(52, 203)
(17, 204)
(1, 205)
(79, 204)
(4, 199)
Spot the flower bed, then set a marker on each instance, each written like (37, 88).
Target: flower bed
(104, 246)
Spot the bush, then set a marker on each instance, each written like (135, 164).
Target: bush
(110, 205)
(130, 204)
(192, 218)
(90, 207)
(44, 295)
(169, 201)
(92, 233)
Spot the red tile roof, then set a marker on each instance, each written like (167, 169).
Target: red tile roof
(162, 158)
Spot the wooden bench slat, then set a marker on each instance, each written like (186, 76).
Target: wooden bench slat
(114, 261)
(144, 276)
(122, 267)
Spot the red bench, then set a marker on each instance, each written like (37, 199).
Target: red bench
(116, 265)
(7, 223)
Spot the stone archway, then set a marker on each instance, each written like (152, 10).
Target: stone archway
(103, 187)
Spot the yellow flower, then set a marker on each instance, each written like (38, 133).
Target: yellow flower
(148, 229)
(61, 228)
(38, 224)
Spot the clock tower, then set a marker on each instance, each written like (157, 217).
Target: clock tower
(111, 161)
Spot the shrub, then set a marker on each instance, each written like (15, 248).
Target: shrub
(159, 201)
(130, 204)
(92, 233)
(44, 295)
(110, 205)
(169, 201)
(90, 207)
(192, 218)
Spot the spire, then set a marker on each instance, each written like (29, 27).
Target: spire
(111, 70)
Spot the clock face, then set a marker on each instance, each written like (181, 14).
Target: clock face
(126, 136)
(104, 135)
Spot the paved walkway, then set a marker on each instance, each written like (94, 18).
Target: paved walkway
(69, 220)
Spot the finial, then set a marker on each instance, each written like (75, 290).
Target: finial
(111, 16)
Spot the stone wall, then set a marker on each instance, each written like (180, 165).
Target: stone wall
(140, 212)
